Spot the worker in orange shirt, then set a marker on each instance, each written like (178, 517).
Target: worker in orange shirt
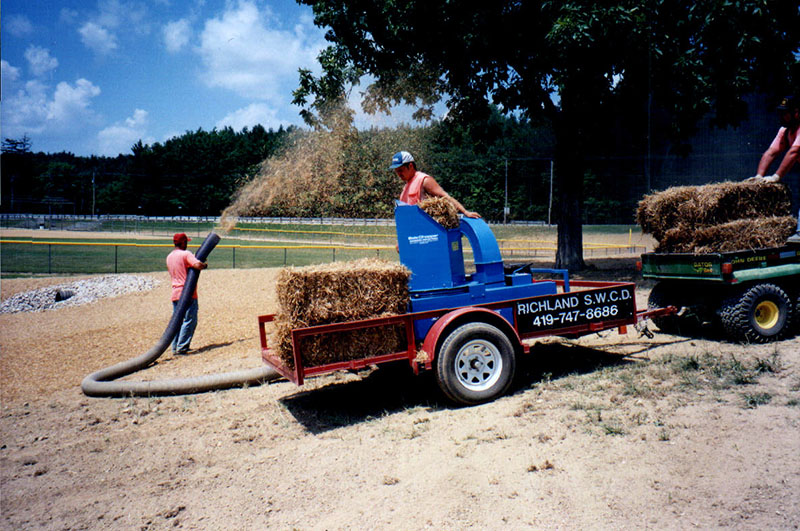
(419, 186)
(178, 263)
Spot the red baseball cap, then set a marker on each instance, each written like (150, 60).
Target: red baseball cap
(180, 238)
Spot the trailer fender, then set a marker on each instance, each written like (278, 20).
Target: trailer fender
(457, 317)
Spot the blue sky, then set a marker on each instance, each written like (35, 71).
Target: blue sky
(94, 77)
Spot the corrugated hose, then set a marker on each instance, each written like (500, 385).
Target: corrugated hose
(101, 384)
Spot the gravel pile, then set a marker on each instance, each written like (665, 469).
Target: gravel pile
(76, 293)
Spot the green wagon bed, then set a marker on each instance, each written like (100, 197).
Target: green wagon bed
(753, 295)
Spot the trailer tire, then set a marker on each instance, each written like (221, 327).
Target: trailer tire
(475, 364)
(758, 314)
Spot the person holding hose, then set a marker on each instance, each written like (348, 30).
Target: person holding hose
(178, 263)
(787, 140)
(418, 185)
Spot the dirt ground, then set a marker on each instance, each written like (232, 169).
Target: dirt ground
(602, 432)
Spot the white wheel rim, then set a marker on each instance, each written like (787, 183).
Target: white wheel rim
(478, 365)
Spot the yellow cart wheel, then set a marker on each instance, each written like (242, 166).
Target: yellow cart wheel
(757, 314)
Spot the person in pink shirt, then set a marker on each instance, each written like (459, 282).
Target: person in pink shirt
(178, 263)
(418, 185)
(787, 140)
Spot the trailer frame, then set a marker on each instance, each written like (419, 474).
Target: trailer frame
(424, 358)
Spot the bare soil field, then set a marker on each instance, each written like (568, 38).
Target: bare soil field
(604, 432)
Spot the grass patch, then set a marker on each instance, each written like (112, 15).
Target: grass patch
(719, 372)
(102, 256)
(613, 428)
(633, 385)
(753, 400)
(682, 378)
(770, 364)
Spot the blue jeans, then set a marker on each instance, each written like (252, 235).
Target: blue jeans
(183, 338)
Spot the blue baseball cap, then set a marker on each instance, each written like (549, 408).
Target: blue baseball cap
(400, 158)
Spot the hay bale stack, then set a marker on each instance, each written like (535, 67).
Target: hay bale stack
(717, 217)
(335, 293)
(442, 210)
(735, 235)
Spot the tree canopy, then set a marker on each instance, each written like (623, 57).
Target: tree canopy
(195, 173)
(575, 63)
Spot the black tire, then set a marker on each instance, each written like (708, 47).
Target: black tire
(757, 314)
(475, 364)
(796, 316)
(661, 296)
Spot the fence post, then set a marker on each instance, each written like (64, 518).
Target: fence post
(284, 256)
(334, 254)
(49, 258)
(115, 258)
(234, 257)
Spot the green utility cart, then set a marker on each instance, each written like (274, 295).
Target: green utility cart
(753, 295)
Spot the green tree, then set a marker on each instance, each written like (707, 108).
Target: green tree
(569, 61)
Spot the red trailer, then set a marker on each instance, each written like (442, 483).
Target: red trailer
(473, 349)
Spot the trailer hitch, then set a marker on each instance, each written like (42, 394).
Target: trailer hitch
(641, 327)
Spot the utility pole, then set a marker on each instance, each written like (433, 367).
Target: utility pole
(505, 203)
(550, 207)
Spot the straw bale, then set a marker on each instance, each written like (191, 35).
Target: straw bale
(343, 291)
(335, 293)
(678, 239)
(745, 234)
(658, 213)
(338, 346)
(442, 210)
(693, 207)
(735, 235)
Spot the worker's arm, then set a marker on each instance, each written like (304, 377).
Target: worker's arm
(772, 153)
(194, 263)
(788, 161)
(766, 160)
(433, 188)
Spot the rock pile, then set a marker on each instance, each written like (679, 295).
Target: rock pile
(76, 293)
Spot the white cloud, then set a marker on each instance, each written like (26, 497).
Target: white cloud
(115, 14)
(9, 73)
(32, 109)
(71, 102)
(245, 55)
(97, 38)
(68, 16)
(177, 35)
(18, 25)
(120, 137)
(39, 60)
(253, 114)
(25, 111)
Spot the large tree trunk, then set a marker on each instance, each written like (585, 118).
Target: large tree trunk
(569, 166)
(569, 250)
